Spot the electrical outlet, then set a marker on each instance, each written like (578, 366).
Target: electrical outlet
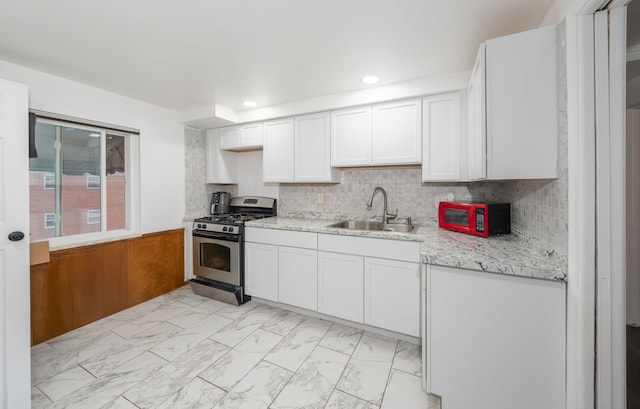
(320, 198)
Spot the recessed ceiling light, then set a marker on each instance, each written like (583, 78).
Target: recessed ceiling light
(370, 79)
(250, 104)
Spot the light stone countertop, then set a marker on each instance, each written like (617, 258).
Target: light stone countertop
(509, 254)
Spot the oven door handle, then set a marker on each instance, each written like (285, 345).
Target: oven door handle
(217, 236)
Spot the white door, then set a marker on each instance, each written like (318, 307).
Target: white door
(277, 160)
(261, 270)
(396, 134)
(15, 353)
(441, 147)
(392, 295)
(351, 137)
(340, 285)
(298, 277)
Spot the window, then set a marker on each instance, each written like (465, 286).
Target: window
(85, 169)
(93, 182)
(49, 181)
(93, 216)
(49, 221)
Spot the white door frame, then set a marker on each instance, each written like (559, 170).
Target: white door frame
(581, 210)
(15, 320)
(610, 35)
(596, 206)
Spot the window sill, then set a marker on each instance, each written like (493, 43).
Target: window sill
(79, 240)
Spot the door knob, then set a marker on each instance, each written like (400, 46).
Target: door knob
(16, 236)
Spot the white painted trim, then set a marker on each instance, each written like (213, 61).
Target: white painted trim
(603, 212)
(581, 269)
(617, 199)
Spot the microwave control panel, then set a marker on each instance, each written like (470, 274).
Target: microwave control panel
(480, 220)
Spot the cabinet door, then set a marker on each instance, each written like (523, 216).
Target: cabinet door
(250, 135)
(229, 137)
(340, 284)
(397, 133)
(477, 130)
(392, 295)
(522, 125)
(298, 277)
(441, 137)
(278, 151)
(221, 166)
(494, 340)
(261, 270)
(312, 149)
(351, 137)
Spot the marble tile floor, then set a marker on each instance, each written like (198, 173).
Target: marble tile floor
(181, 350)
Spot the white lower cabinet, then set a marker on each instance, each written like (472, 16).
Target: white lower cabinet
(298, 277)
(261, 270)
(392, 295)
(340, 285)
(494, 341)
(338, 276)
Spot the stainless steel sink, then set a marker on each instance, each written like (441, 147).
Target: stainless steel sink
(373, 226)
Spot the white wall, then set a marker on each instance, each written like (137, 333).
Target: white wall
(162, 164)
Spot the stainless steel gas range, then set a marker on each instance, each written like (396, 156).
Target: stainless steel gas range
(218, 248)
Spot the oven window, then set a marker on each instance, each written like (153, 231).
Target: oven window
(213, 255)
(457, 216)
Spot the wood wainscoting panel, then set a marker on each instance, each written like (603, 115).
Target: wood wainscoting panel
(115, 277)
(84, 284)
(156, 265)
(51, 300)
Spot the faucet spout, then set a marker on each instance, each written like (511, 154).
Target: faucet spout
(385, 216)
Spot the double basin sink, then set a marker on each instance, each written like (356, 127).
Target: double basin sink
(373, 226)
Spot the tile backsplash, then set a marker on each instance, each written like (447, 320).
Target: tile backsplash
(197, 191)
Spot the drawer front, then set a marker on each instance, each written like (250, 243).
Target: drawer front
(370, 247)
(300, 239)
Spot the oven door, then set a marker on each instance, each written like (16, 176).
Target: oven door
(217, 257)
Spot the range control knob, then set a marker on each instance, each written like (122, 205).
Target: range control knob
(230, 229)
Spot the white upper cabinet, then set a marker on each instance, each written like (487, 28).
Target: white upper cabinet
(384, 134)
(313, 149)
(351, 137)
(443, 158)
(477, 120)
(521, 106)
(278, 151)
(298, 150)
(221, 166)
(241, 137)
(228, 137)
(396, 133)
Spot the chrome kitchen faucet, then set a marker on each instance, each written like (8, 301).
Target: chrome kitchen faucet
(385, 216)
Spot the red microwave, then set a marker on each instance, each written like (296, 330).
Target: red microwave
(479, 219)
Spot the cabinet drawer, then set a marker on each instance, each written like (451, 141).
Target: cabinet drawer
(299, 239)
(370, 247)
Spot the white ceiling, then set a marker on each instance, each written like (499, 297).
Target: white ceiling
(184, 54)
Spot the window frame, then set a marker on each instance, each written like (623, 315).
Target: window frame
(132, 183)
